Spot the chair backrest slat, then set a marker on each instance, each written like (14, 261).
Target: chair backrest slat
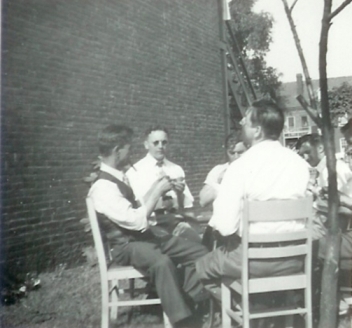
(279, 245)
(279, 210)
(277, 252)
(278, 237)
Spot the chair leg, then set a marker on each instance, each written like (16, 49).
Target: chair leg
(225, 304)
(308, 305)
(114, 298)
(167, 323)
(105, 305)
(131, 290)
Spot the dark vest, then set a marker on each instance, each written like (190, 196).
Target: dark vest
(112, 232)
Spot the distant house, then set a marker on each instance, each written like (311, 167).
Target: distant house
(298, 122)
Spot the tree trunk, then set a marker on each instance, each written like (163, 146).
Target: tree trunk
(328, 303)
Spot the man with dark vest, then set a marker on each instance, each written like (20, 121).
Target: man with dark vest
(133, 239)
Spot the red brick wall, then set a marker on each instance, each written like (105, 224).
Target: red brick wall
(69, 68)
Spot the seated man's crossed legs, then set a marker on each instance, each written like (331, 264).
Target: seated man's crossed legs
(158, 260)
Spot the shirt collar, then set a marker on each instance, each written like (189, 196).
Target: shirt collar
(321, 165)
(265, 143)
(115, 173)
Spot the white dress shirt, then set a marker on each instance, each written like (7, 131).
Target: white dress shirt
(343, 172)
(146, 171)
(266, 171)
(108, 200)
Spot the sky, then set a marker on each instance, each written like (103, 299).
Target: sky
(307, 15)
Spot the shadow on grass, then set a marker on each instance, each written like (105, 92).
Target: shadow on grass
(70, 298)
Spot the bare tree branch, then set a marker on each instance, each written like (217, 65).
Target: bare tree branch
(293, 5)
(312, 112)
(301, 55)
(339, 9)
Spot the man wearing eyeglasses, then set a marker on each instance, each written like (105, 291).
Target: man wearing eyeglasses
(155, 165)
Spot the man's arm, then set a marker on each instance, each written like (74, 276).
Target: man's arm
(109, 201)
(211, 185)
(227, 206)
(207, 195)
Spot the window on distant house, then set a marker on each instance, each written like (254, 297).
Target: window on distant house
(304, 121)
(291, 122)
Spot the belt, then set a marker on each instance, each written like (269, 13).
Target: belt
(275, 244)
(161, 211)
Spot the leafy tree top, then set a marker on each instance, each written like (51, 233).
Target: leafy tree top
(253, 33)
(340, 102)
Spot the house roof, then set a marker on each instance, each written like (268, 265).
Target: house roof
(288, 90)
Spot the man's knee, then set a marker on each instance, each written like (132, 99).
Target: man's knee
(162, 264)
(207, 267)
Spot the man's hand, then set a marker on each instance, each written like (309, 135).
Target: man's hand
(178, 185)
(164, 184)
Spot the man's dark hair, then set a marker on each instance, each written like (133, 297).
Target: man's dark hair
(113, 135)
(267, 114)
(346, 130)
(314, 139)
(156, 128)
(232, 140)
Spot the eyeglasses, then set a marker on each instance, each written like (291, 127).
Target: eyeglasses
(162, 142)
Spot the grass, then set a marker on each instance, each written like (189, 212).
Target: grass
(70, 298)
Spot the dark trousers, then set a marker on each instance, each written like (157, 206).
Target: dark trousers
(226, 261)
(158, 260)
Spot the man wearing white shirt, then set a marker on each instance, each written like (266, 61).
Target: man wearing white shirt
(145, 172)
(155, 164)
(311, 148)
(234, 149)
(266, 171)
(124, 224)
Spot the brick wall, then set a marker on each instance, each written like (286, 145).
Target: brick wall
(69, 68)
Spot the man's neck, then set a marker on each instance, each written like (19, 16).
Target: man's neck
(157, 160)
(257, 141)
(111, 163)
(322, 163)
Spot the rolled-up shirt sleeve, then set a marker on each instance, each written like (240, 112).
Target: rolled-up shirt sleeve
(227, 207)
(109, 201)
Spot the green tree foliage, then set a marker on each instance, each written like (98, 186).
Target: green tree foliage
(253, 33)
(340, 102)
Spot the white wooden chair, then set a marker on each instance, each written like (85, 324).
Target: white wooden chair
(111, 277)
(297, 243)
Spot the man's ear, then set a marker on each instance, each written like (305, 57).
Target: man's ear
(258, 133)
(146, 146)
(320, 149)
(117, 151)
